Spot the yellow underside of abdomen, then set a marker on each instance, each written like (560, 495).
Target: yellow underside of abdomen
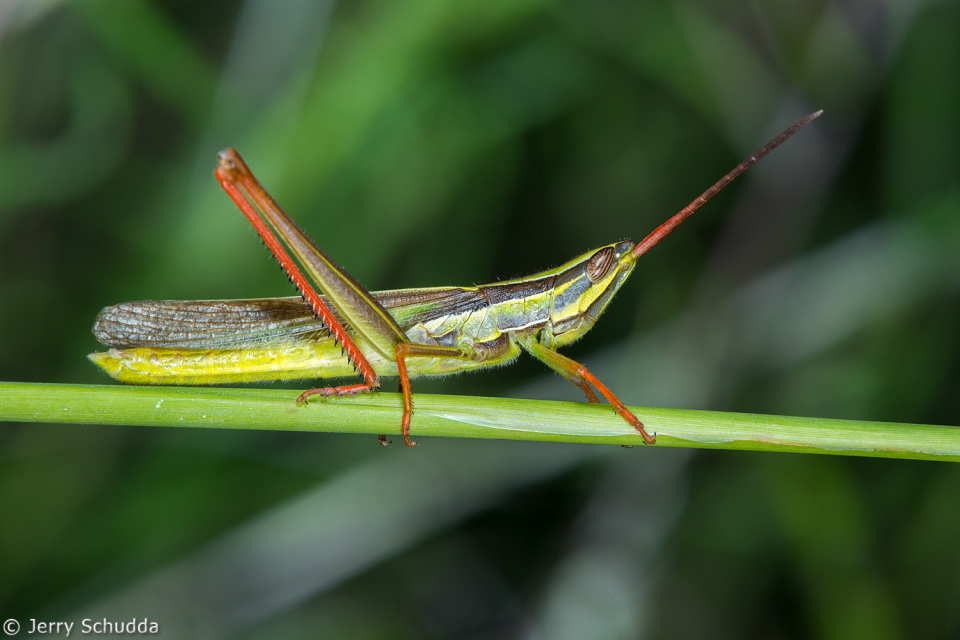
(264, 364)
(204, 367)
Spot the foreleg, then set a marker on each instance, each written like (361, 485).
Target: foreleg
(578, 375)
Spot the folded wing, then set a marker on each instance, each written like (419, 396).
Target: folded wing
(238, 324)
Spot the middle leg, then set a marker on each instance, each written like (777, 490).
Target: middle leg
(494, 352)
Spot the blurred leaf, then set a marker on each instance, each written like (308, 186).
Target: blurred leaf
(921, 126)
(156, 53)
(649, 36)
(314, 541)
(825, 523)
(81, 156)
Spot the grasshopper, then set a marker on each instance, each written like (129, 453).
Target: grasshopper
(351, 331)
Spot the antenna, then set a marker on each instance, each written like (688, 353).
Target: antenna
(664, 230)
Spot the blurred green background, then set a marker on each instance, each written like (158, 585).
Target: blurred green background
(428, 143)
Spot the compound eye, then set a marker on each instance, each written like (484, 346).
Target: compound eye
(598, 266)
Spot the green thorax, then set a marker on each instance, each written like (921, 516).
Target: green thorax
(561, 304)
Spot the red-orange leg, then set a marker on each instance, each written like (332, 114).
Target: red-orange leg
(411, 350)
(402, 353)
(580, 382)
(587, 391)
(247, 193)
(236, 179)
(578, 374)
(618, 406)
(343, 390)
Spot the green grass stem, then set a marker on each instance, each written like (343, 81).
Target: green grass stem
(467, 417)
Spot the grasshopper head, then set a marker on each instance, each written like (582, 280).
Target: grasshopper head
(584, 288)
